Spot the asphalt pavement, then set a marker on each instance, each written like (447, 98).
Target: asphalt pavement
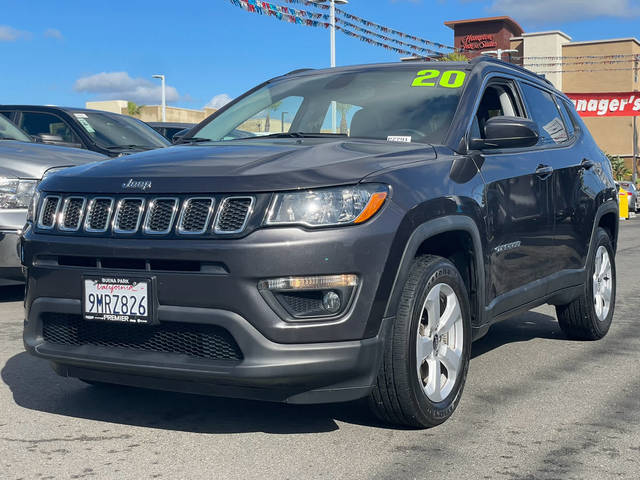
(536, 406)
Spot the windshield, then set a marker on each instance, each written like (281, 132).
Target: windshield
(8, 131)
(407, 104)
(119, 131)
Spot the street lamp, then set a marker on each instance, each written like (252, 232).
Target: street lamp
(282, 121)
(332, 15)
(164, 98)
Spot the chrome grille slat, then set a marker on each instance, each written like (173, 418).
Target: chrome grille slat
(98, 214)
(195, 215)
(160, 216)
(128, 215)
(233, 215)
(49, 212)
(72, 213)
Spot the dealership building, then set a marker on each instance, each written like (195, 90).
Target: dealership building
(584, 70)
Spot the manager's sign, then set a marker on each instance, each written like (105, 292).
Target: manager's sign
(606, 104)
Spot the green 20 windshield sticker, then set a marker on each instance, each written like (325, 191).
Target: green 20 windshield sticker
(447, 79)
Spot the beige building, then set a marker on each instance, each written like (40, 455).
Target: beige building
(614, 134)
(601, 66)
(153, 113)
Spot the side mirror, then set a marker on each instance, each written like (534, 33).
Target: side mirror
(46, 138)
(507, 132)
(178, 136)
(55, 140)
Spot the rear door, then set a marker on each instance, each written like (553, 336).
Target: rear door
(518, 207)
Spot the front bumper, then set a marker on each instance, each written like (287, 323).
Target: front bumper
(292, 373)
(300, 362)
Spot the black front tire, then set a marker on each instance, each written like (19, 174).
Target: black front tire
(399, 397)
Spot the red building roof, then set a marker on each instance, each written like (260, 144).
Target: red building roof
(513, 25)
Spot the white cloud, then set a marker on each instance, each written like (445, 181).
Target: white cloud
(10, 34)
(53, 33)
(218, 101)
(120, 86)
(565, 10)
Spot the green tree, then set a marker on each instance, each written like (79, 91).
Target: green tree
(133, 109)
(620, 170)
(453, 57)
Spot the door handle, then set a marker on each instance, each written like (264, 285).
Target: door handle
(544, 171)
(586, 164)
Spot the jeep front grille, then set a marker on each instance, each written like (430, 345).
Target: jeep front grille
(195, 215)
(98, 214)
(232, 215)
(145, 215)
(49, 212)
(160, 216)
(128, 215)
(72, 212)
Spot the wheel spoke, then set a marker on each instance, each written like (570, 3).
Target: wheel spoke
(604, 268)
(424, 348)
(606, 291)
(450, 358)
(450, 316)
(432, 306)
(434, 382)
(598, 265)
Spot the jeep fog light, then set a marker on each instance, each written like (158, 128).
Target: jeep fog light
(308, 298)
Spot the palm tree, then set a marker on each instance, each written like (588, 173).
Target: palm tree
(343, 108)
(453, 57)
(273, 108)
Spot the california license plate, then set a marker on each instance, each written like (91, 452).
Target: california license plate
(117, 299)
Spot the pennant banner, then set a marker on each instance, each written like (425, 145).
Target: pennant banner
(584, 57)
(397, 33)
(388, 39)
(291, 15)
(606, 104)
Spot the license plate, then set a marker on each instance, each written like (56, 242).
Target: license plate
(117, 299)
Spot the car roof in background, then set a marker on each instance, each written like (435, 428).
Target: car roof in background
(56, 108)
(171, 124)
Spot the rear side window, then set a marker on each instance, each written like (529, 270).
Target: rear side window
(568, 120)
(544, 111)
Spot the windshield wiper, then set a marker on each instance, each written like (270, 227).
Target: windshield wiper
(127, 147)
(297, 135)
(193, 140)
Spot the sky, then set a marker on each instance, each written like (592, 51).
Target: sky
(69, 52)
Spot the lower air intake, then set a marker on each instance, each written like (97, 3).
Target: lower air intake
(194, 340)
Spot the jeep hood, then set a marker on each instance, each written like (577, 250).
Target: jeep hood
(240, 166)
(31, 160)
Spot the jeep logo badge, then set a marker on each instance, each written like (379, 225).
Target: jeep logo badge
(137, 185)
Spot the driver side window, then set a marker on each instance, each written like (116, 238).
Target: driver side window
(498, 100)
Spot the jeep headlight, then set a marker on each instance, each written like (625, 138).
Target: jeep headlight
(325, 207)
(16, 193)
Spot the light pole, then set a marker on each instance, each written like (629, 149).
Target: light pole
(164, 98)
(282, 121)
(332, 15)
(498, 53)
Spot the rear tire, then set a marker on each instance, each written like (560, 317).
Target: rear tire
(427, 355)
(589, 316)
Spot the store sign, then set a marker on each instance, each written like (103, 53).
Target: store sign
(478, 42)
(606, 104)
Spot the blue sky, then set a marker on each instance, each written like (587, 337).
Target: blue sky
(68, 52)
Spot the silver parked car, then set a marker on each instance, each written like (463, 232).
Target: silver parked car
(22, 164)
(634, 195)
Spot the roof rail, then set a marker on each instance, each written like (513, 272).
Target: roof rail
(487, 58)
(299, 70)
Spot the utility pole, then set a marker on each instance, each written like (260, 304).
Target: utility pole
(634, 177)
(332, 33)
